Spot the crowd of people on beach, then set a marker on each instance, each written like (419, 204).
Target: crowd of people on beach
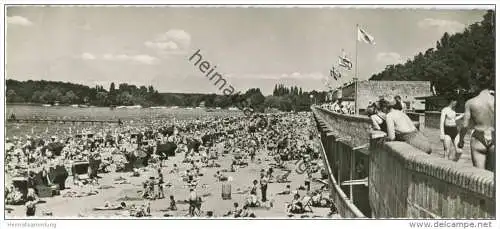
(38, 166)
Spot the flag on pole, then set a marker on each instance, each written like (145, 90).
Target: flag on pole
(335, 73)
(366, 37)
(344, 61)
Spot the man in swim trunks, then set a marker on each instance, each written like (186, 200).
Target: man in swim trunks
(193, 201)
(401, 128)
(449, 130)
(480, 113)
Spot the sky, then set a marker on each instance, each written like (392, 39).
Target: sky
(252, 47)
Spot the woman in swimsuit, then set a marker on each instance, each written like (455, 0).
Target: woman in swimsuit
(449, 130)
(377, 117)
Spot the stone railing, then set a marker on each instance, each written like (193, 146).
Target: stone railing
(405, 182)
(354, 128)
(402, 181)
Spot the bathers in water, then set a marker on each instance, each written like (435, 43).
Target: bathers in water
(451, 131)
(480, 136)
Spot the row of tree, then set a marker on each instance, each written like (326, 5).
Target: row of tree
(462, 61)
(48, 92)
(282, 90)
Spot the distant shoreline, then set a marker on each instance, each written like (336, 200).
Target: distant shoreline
(40, 104)
(95, 106)
(25, 104)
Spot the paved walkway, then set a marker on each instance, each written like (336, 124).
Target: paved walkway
(437, 145)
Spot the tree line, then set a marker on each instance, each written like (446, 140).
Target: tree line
(51, 92)
(461, 61)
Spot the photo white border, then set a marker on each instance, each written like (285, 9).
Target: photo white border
(239, 224)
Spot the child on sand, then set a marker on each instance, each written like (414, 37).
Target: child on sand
(161, 193)
(173, 206)
(175, 169)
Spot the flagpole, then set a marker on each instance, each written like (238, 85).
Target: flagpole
(356, 109)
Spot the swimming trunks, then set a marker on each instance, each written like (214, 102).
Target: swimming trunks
(451, 131)
(479, 135)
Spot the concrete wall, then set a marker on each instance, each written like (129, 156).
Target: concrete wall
(354, 129)
(406, 182)
(342, 201)
(408, 90)
(403, 182)
(348, 91)
(344, 156)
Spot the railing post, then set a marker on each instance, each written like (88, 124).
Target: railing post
(351, 175)
(421, 121)
(375, 180)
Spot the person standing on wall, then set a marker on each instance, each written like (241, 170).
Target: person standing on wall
(449, 130)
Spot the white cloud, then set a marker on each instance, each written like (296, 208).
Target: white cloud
(309, 76)
(442, 25)
(178, 36)
(18, 20)
(142, 58)
(389, 57)
(274, 76)
(171, 42)
(88, 56)
(146, 59)
(169, 45)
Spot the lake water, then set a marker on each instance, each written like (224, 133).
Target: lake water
(95, 113)
(104, 113)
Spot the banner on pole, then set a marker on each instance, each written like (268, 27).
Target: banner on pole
(344, 61)
(365, 37)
